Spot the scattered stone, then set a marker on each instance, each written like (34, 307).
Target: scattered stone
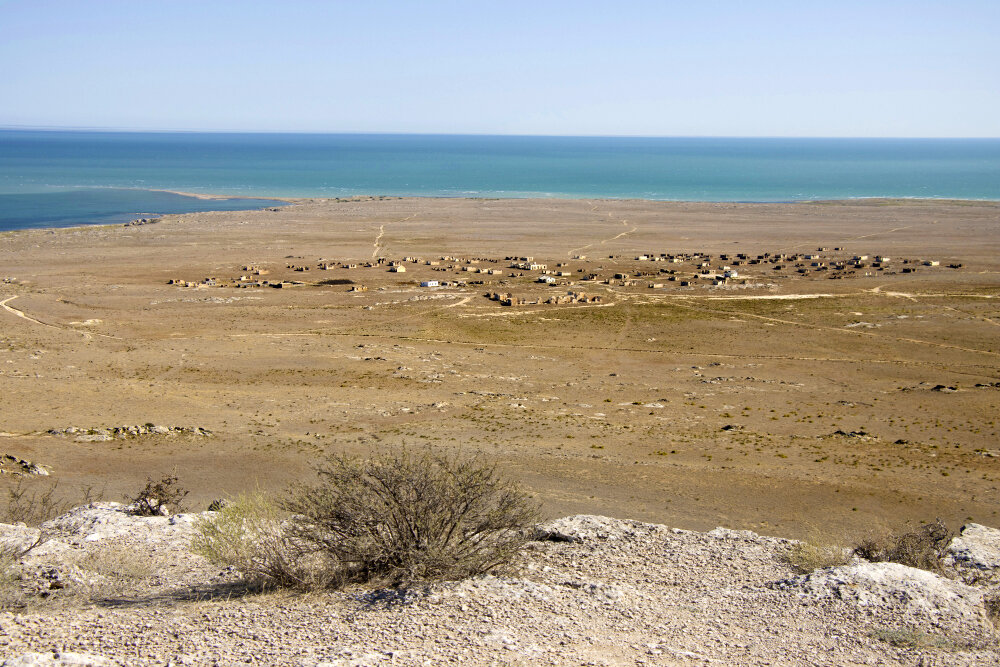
(141, 221)
(13, 465)
(217, 505)
(854, 434)
(126, 432)
(58, 660)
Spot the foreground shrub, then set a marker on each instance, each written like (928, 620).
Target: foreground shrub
(922, 548)
(405, 516)
(250, 534)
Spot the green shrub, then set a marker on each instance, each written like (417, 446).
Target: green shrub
(404, 516)
(250, 534)
(921, 548)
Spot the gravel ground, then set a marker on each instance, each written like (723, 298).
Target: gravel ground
(597, 591)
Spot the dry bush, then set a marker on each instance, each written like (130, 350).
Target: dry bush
(403, 516)
(34, 506)
(805, 557)
(921, 548)
(158, 498)
(250, 534)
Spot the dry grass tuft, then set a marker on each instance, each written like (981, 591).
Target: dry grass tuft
(250, 534)
(914, 639)
(808, 556)
(118, 562)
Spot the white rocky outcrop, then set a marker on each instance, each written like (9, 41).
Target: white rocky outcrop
(975, 554)
(924, 597)
(590, 590)
(99, 521)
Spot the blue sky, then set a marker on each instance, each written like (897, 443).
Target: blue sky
(660, 68)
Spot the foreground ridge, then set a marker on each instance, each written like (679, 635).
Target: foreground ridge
(106, 587)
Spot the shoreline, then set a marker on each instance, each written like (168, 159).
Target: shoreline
(291, 201)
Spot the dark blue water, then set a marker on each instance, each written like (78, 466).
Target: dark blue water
(106, 206)
(78, 177)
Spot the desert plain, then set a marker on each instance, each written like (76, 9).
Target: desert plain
(844, 378)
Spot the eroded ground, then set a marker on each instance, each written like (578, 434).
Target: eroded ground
(782, 401)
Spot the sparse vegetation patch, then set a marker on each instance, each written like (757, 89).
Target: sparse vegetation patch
(922, 548)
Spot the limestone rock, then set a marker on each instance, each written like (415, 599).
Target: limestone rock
(17, 536)
(975, 554)
(921, 595)
(590, 527)
(98, 521)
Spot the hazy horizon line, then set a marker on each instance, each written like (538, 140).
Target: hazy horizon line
(130, 130)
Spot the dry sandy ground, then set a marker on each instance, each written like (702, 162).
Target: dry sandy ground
(619, 408)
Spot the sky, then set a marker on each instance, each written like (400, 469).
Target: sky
(870, 68)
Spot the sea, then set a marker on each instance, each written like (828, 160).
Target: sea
(64, 178)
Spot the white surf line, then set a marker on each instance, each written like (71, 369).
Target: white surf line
(86, 334)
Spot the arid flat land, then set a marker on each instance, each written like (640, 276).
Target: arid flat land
(846, 378)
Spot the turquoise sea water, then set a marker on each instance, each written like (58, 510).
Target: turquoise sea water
(60, 178)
